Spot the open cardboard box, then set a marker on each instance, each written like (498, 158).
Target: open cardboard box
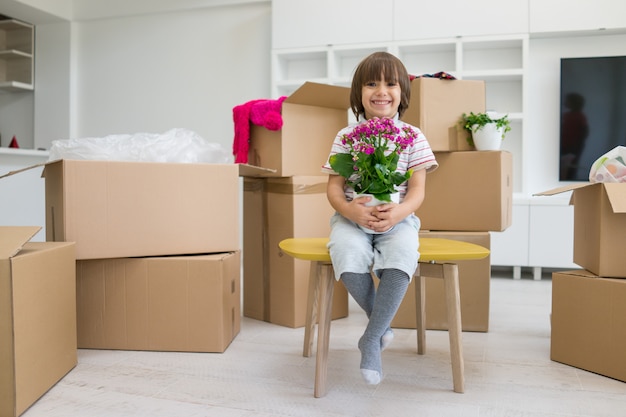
(37, 316)
(114, 209)
(599, 225)
(312, 117)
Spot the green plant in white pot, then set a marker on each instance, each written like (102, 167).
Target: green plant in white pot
(487, 130)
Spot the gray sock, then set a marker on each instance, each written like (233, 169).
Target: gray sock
(361, 288)
(391, 290)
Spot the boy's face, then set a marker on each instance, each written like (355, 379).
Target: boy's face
(381, 98)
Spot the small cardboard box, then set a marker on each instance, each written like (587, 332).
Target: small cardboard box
(599, 225)
(474, 286)
(589, 322)
(37, 316)
(437, 105)
(312, 117)
(115, 209)
(177, 303)
(469, 191)
(276, 285)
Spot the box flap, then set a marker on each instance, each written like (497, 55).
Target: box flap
(13, 238)
(321, 95)
(564, 188)
(616, 193)
(17, 171)
(246, 170)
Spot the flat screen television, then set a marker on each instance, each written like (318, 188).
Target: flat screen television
(593, 112)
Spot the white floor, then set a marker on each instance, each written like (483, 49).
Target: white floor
(262, 373)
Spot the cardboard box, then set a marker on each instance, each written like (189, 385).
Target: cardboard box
(589, 322)
(275, 285)
(37, 316)
(117, 209)
(312, 117)
(474, 286)
(437, 105)
(599, 225)
(177, 303)
(469, 191)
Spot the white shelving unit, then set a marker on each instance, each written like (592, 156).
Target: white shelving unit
(16, 55)
(501, 61)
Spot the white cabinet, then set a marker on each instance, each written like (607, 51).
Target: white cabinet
(510, 247)
(551, 237)
(424, 20)
(16, 55)
(541, 236)
(551, 16)
(305, 23)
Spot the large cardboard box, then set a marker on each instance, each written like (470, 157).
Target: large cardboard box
(470, 191)
(276, 285)
(178, 303)
(312, 117)
(122, 209)
(589, 322)
(437, 105)
(474, 286)
(37, 316)
(599, 226)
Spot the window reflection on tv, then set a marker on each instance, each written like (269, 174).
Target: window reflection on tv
(593, 112)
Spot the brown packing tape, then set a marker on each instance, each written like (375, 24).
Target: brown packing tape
(253, 184)
(265, 242)
(275, 188)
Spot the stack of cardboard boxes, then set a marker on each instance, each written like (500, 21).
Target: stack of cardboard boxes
(589, 304)
(139, 256)
(291, 202)
(157, 249)
(469, 195)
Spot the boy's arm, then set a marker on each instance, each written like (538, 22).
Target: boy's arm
(354, 210)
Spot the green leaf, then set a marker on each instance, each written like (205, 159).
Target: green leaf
(343, 164)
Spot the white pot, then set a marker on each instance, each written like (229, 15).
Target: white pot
(395, 198)
(487, 137)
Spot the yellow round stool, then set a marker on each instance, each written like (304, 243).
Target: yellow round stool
(437, 260)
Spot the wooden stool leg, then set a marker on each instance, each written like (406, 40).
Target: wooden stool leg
(325, 305)
(453, 304)
(311, 308)
(420, 311)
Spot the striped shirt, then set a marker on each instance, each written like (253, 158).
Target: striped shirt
(415, 157)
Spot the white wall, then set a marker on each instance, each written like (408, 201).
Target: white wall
(544, 105)
(151, 73)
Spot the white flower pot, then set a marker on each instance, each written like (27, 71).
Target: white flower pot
(395, 198)
(487, 137)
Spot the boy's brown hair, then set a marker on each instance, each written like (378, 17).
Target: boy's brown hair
(370, 69)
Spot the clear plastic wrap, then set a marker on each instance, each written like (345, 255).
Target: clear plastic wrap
(175, 145)
(610, 167)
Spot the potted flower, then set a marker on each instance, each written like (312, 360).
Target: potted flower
(370, 166)
(487, 130)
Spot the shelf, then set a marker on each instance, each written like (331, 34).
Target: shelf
(14, 86)
(24, 152)
(16, 56)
